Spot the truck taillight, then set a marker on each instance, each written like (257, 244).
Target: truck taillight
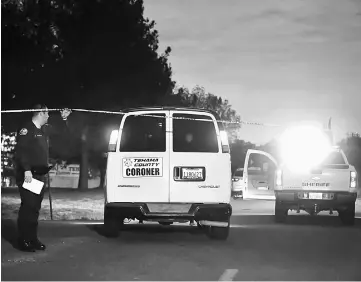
(113, 141)
(279, 177)
(224, 141)
(353, 179)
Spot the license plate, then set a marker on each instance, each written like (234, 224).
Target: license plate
(315, 185)
(192, 173)
(169, 208)
(315, 196)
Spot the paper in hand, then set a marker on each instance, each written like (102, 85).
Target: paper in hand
(34, 186)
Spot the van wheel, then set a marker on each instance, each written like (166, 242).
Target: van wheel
(348, 216)
(218, 233)
(112, 224)
(281, 212)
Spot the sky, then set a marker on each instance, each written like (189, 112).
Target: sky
(277, 62)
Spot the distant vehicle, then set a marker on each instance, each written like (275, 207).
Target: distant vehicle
(164, 165)
(237, 184)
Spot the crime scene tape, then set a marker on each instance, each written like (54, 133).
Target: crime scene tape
(139, 114)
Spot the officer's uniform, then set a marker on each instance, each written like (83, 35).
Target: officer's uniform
(32, 153)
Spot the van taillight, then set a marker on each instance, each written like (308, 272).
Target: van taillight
(224, 141)
(113, 141)
(353, 179)
(279, 177)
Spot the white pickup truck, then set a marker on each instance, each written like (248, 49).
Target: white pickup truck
(331, 186)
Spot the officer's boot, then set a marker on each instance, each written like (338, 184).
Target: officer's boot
(38, 245)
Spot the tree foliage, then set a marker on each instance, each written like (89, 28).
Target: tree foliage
(199, 98)
(106, 55)
(352, 148)
(95, 54)
(239, 150)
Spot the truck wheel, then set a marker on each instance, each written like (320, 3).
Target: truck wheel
(281, 212)
(112, 224)
(218, 233)
(348, 216)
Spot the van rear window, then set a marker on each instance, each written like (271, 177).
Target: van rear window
(193, 135)
(144, 134)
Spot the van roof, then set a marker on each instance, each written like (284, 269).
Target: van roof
(170, 108)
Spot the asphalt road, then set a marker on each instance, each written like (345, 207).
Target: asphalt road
(305, 248)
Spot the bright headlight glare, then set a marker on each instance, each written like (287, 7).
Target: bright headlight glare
(113, 141)
(304, 147)
(224, 137)
(113, 137)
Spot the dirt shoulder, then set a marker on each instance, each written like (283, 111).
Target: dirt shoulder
(67, 204)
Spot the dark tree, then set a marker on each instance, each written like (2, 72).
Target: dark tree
(94, 54)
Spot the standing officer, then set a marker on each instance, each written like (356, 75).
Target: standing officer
(31, 161)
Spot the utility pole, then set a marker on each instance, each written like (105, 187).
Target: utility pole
(329, 124)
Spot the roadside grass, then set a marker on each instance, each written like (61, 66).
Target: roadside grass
(67, 205)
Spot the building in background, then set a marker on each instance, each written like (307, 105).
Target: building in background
(7, 154)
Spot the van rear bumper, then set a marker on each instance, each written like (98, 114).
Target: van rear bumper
(340, 200)
(209, 212)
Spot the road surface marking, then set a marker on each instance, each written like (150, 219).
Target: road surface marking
(228, 275)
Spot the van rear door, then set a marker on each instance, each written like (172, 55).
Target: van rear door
(139, 169)
(200, 172)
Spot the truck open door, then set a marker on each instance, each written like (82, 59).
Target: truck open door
(259, 175)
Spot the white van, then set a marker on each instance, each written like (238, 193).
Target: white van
(169, 165)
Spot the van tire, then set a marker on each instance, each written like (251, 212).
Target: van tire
(281, 212)
(112, 224)
(218, 233)
(348, 216)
